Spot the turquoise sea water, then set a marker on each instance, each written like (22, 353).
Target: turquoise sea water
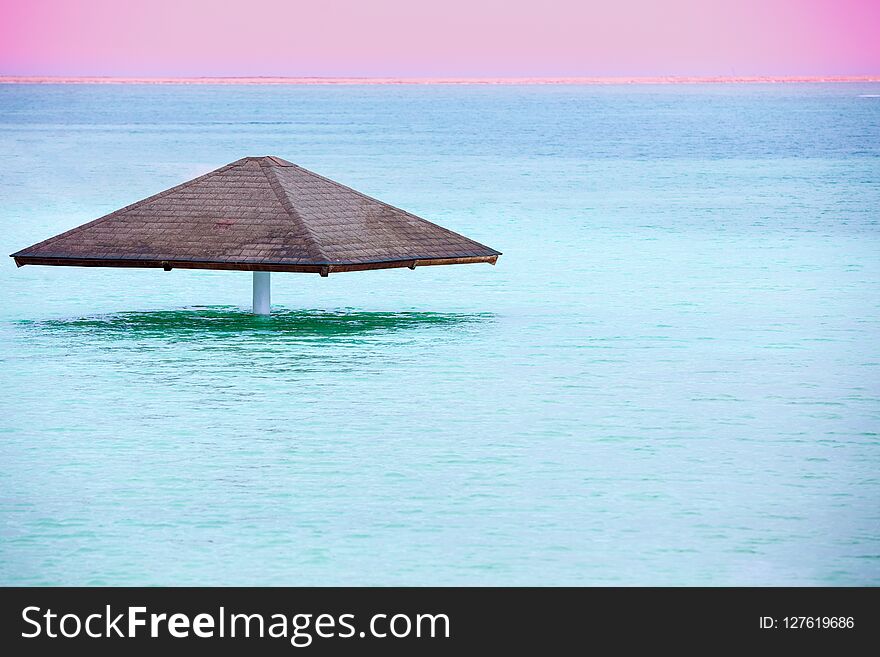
(672, 376)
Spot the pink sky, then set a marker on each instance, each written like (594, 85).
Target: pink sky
(415, 38)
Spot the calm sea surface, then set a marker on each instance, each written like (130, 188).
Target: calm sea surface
(672, 376)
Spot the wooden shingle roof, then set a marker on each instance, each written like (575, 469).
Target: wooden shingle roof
(258, 214)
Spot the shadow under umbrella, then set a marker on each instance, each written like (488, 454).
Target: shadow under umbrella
(198, 323)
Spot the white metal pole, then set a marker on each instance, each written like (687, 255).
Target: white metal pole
(262, 293)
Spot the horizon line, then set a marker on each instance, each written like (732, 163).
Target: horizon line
(447, 80)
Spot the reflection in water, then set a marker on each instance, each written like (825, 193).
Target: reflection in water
(221, 321)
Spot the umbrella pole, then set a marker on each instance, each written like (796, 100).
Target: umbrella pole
(262, 292)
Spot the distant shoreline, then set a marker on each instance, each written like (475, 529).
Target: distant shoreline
(36, 79)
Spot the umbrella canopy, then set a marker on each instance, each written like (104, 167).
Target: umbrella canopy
(258, 214)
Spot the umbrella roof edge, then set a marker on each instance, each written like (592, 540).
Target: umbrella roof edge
(324, 269)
